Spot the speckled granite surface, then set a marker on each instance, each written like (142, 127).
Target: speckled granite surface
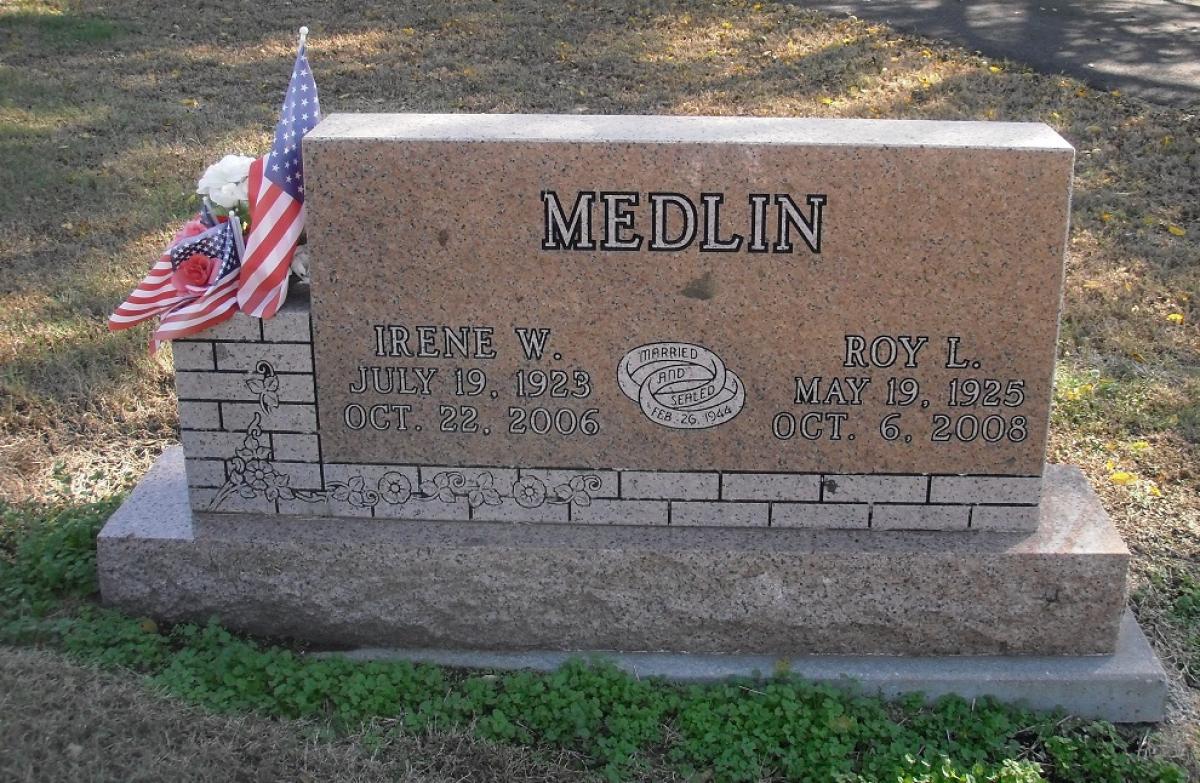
(465, 585)
(939, 244)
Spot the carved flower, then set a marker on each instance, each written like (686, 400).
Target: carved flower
(259, 474)
(279, 489)
(267, 389)
(442, 486)
(395, 488)
(237, 477)
(252, 450)
(355, 493)
(578, 490)
(529, 492)
(483, 492)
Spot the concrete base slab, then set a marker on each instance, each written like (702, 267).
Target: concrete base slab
(1128, 686)
(348, 583)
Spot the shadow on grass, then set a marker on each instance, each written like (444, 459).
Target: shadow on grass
(46, 24)
(58, 29)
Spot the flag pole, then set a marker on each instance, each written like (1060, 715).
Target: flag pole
(303, 35)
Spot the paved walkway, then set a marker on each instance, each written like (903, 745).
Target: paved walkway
(1145, 48)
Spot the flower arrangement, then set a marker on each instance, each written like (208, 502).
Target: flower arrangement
(238, 253)
(226, 182)
(224, 187)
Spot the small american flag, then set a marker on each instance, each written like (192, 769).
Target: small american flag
(276, 191)
(156, 293)
(187, 313)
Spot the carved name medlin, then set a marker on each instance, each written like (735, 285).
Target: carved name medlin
(676, 222)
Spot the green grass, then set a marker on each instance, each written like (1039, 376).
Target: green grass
(1174, 592)
(49, 555)
(54, 27)
(1186, 613)
(1103, 407)
(1187, 605)
(740, 730)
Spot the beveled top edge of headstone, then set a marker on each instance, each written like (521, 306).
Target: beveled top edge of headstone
(670, 129)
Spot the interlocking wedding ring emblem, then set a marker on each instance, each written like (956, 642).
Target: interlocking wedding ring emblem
(681, 385)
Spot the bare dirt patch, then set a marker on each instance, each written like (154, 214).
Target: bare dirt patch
(63, 721)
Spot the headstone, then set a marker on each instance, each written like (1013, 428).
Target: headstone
(704, 385)
(740, 322)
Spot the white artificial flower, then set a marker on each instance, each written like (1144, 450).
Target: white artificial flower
(225, 182)
(300, 264)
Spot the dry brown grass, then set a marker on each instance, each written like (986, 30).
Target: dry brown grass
(60, 721)
(108, 112)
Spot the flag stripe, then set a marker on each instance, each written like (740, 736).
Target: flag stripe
(118, 321)
(273, 268)
(266, 233)
(276, 192)
(195, 312)
(274, 234)
(159, 337)
(178, 324)
(153, 295)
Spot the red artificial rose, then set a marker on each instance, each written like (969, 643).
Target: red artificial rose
(190, 229)
(192, 276)
(193, 227)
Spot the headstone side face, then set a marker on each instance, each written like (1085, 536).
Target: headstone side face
(247, 413)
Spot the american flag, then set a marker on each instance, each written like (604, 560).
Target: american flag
(185, 314)
(156, 293)
(276, 190)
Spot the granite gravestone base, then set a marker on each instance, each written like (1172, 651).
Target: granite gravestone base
(707, 394)
(1036, 618)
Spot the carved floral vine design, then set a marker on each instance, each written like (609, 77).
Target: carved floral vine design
(251, 474)
(266, 385)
